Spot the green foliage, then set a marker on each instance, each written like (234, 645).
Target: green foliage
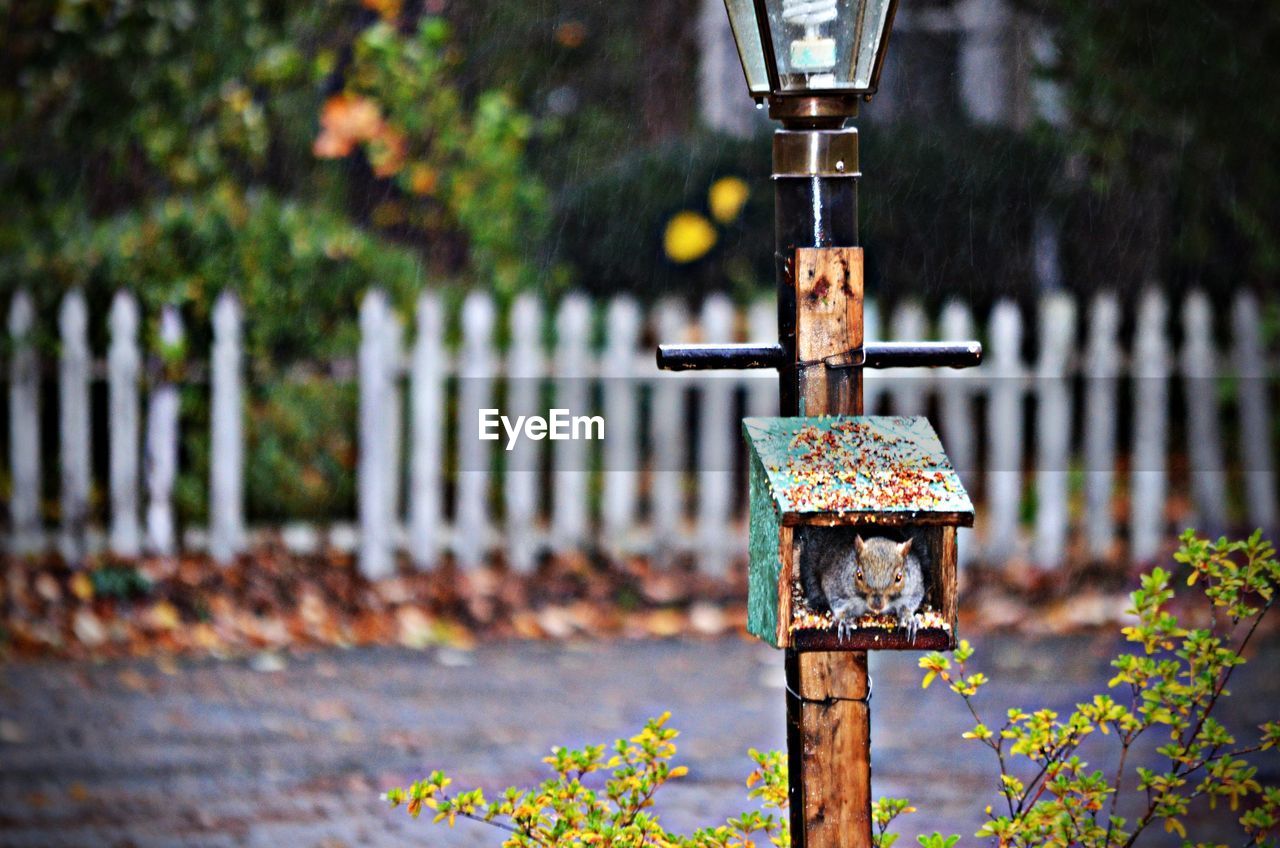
(614, 808)
(300, 447)
(170, 149)
(1172, 685)
(460, 169)
(122, 582)
(884, 811)
(267, 250)
(1173, 682)
(113, 107)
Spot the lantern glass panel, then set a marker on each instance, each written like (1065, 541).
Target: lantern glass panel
(746, 34)
(828, 45)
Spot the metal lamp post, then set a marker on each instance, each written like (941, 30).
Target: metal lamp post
(813, 61)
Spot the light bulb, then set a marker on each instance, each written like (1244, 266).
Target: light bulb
(813, 54)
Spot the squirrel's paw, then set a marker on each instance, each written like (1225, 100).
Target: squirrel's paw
(910, 622)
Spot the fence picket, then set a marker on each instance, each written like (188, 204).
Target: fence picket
(662, 447)
(716, 441)
(908, 386)
(1148, 482)
(874, 382)
(24, 428)
(374, 465)
(1004, 429)
(1053, 428)
(393, 362)
(569, 456)
(525, 368)
(1100, 407)
(620, 414)
(162, 443)
(124, 363)
(762, 385)
(1255, 421)
(426, 452)
(73, 426)
(475, 392)
(226, 443)
(1204, 436)
(670, 440)
(955, 403)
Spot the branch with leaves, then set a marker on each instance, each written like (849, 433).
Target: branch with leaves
(1174, 682)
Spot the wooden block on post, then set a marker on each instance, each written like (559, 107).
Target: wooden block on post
(828, 324)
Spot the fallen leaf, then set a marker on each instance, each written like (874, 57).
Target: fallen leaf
(11, 733)
(267, 662)
(88, 628)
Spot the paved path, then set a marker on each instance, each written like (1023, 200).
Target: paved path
(249, 753)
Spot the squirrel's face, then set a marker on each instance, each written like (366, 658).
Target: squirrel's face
(878, 586)
(879, 572)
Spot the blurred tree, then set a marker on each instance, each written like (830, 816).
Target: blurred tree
(110, 105)
(1174, 115)
(167, 149)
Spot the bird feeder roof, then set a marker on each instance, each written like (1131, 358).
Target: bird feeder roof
(853, 470)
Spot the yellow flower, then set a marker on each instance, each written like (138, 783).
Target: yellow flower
(726, 198)
(688, 237)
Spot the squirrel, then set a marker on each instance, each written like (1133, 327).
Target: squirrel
(875, 575)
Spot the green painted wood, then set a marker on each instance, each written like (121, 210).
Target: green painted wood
(855, 469)
(765, 563)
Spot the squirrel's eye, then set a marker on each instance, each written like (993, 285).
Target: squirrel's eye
(859, 573)
(899, 577)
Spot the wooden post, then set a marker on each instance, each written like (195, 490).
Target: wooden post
(828, 715)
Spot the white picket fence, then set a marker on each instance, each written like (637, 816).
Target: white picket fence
(668, 490)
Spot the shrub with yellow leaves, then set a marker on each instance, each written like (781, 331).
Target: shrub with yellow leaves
(460, 163)
(614, 809)
(1173, 685)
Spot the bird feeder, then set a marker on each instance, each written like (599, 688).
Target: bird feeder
(850, 476)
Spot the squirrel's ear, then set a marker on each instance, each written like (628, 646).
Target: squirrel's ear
(905, 548)
(858, 544)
